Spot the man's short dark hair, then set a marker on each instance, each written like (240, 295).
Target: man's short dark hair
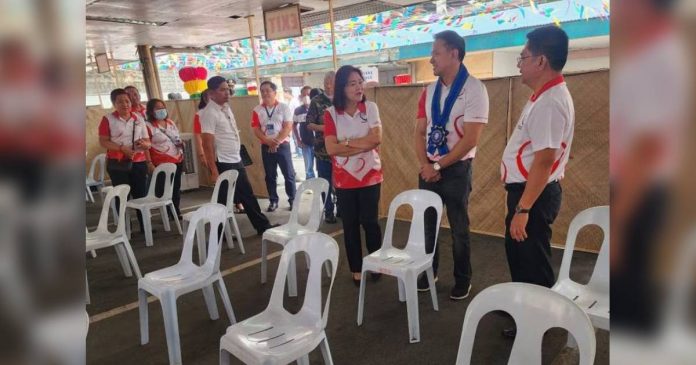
(314, 92)
(215, 82)
(453, 41)
(551, 42)
(306, 87)
(116, 92)
(269, 83)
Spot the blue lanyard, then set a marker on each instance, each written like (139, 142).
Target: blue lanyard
(437, 138)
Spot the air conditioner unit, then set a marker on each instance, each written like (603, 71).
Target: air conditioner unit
(189, 175)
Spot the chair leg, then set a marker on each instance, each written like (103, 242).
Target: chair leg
(433, 289)
(200, 239)
(224, 357)
(210, 302)
(165, 218)
(412, 307)
(171, 327)
(327, 268)
(176, 217)
(292, 277)
(131, 257)
(228, 237)
(115, 214)
(123, 259)
(303, 360)
(326, 352)
(147, 222)
(142, 306)
(87, 300)
(402, 294)
(571, 343)
(89, 194)
(226, 301)
(361, 297)
(129, 229)
(238, 235)
(93, 253)
(264, 263)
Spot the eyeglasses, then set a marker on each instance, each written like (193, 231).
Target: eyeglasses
(520, 58)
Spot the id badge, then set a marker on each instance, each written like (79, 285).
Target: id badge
(270, 129)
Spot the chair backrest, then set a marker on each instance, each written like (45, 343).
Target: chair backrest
(216, 215)
(420, 201)
(592, 216)
(317, 186)
(231, 177)
(319, 247)
(536, 309)
(100, 160)
(121, 192)
(169, 170)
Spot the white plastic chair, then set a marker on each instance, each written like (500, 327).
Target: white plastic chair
(276, 336)
(151, 201)
(282, 234)
(231, 177)
(97, 182)
(184, 277)
(408, 263)
(536, 309)
(102, 238)
(593, 298)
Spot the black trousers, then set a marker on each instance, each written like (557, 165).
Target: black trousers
(271, 161)
(136, 178)
(245, 193)
(530, 260)
(176, 192)
(360, 207)
(324, 170)
(453, 188)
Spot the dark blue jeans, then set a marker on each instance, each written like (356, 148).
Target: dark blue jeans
(324, 171)
(453, 188)
(271, 161)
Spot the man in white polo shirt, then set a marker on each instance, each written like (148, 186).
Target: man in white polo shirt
(536, 156)
(451, 116)
(221, 143)
(272, 125)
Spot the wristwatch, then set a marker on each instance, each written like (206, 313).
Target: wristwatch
(437, 167)
(520, 210)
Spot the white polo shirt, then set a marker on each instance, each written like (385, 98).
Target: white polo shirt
(471, 106)
(271, 119)
(219, 121)
(365, 168)
(124, 132)
(547, 121)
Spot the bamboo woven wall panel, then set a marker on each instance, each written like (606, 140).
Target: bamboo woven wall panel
(242, 107)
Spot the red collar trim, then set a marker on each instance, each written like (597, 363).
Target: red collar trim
(548, 85)
(118, 116)
(362, 108)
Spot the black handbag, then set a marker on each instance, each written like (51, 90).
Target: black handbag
(244, 154)
(124, 165)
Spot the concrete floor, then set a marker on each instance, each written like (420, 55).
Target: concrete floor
(382, 339)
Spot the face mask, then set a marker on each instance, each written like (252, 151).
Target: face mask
(161, 114)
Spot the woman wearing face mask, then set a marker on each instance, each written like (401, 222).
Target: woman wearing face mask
(353, 133)
(124, 134)
(167, 146)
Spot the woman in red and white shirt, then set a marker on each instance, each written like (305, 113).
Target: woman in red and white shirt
(124, 134)
(353, 133)
(167, 147)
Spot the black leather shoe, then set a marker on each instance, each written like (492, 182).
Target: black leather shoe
(510, 332)
(260, 231)
(330, 219)
(356, 282)
(272, 207)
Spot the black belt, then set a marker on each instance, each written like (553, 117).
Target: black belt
(523, 184)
